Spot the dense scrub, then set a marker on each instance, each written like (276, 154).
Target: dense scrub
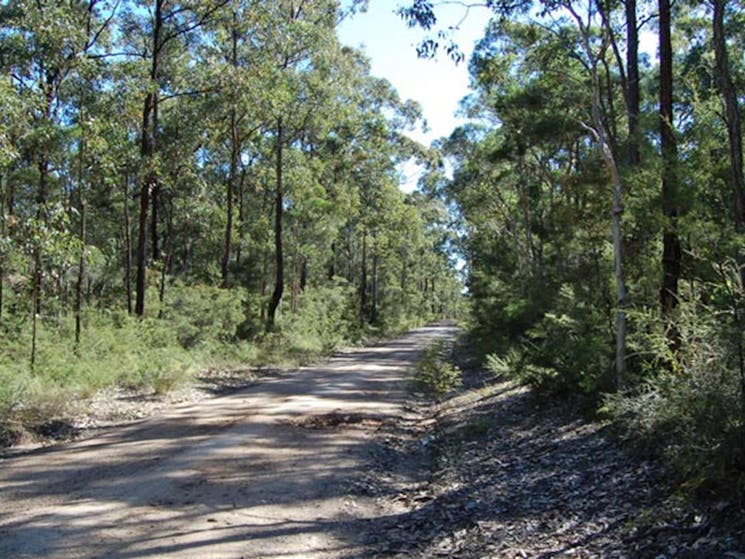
(603, 235)
(189, 185)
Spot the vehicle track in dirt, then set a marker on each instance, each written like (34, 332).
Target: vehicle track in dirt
(263, 472)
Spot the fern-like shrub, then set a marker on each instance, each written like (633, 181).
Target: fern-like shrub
(435, 373)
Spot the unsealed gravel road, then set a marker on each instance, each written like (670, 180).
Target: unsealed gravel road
(262, 473)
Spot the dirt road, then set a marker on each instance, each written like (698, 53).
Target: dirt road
(262, 473)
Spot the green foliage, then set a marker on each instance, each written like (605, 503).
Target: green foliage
(566, 352)
(359, 257)
(691, 406)
(202, 314)
(115, 350)
(324, 316)
(435, 373)
(324, 321)
(538, 199)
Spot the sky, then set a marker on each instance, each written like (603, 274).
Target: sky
(438, 85)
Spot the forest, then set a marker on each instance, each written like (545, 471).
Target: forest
(211, 183)
(601, 204)
(191, 185)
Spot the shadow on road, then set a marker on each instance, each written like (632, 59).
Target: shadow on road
(236, 476)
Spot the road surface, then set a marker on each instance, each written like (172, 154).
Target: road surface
(263, 473)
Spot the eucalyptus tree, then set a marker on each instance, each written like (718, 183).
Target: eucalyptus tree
(297, 95)
(600, 130)
(161, 31)
(728, 91)
(44, 44)
(364, 149)
(234, 59)
(671, 246)
(11, 119)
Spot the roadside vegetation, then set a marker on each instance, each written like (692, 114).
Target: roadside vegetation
(601, 198)
(435, 371)
(199, 185)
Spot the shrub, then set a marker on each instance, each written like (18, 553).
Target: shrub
(202, 314)
(323, 321)
(563, 353)
(690, 408)
(435, 373)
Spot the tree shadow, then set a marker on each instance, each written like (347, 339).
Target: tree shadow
(239, 475)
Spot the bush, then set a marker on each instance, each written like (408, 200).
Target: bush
(435, 373)
(203, 314)
(323, 321)
(690, 408)
(563, 353)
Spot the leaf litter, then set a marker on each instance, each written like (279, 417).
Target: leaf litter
(495, 473)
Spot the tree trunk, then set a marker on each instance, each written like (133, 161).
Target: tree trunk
(331, 270)
(632, 71)
(601, 135)
(127, 246)
(734, 127)
(147, 152)
(303, 274)
(276, 297)
(617, 213)
(374, 309)
(37, 273)
(166, 262)
(154, 220)
(363, 278)
(3, 232)
(232, 174)
(671, 250)
(141, 279)
(81, 261)
(241, 216)
(295, 281)
(230, 194)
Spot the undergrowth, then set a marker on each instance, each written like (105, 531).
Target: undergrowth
(435, 372)
(196, 328)
(686, 407)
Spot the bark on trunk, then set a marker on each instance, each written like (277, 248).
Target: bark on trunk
(734, 125)
(241, 216)
(140, 280)
(81, 261)
(154, 220)
(363, 278)
(127, 246)
(671, 250)
(233, 172)
(303, 274)
(276, 297)
(147, 151)
(3, 232)
(632, 70)
(374, 309)
(601, 135)
(167, 259)
(41, 199)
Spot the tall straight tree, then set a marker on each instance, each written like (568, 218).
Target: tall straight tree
(304, 51)
(732, 119)
(602, 136)
(48, 42)
(168, 23)
(633, 96)
(671, 249)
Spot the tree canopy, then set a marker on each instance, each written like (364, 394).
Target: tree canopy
(183, 181)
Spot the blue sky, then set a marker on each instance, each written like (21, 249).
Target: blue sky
(438, 85)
